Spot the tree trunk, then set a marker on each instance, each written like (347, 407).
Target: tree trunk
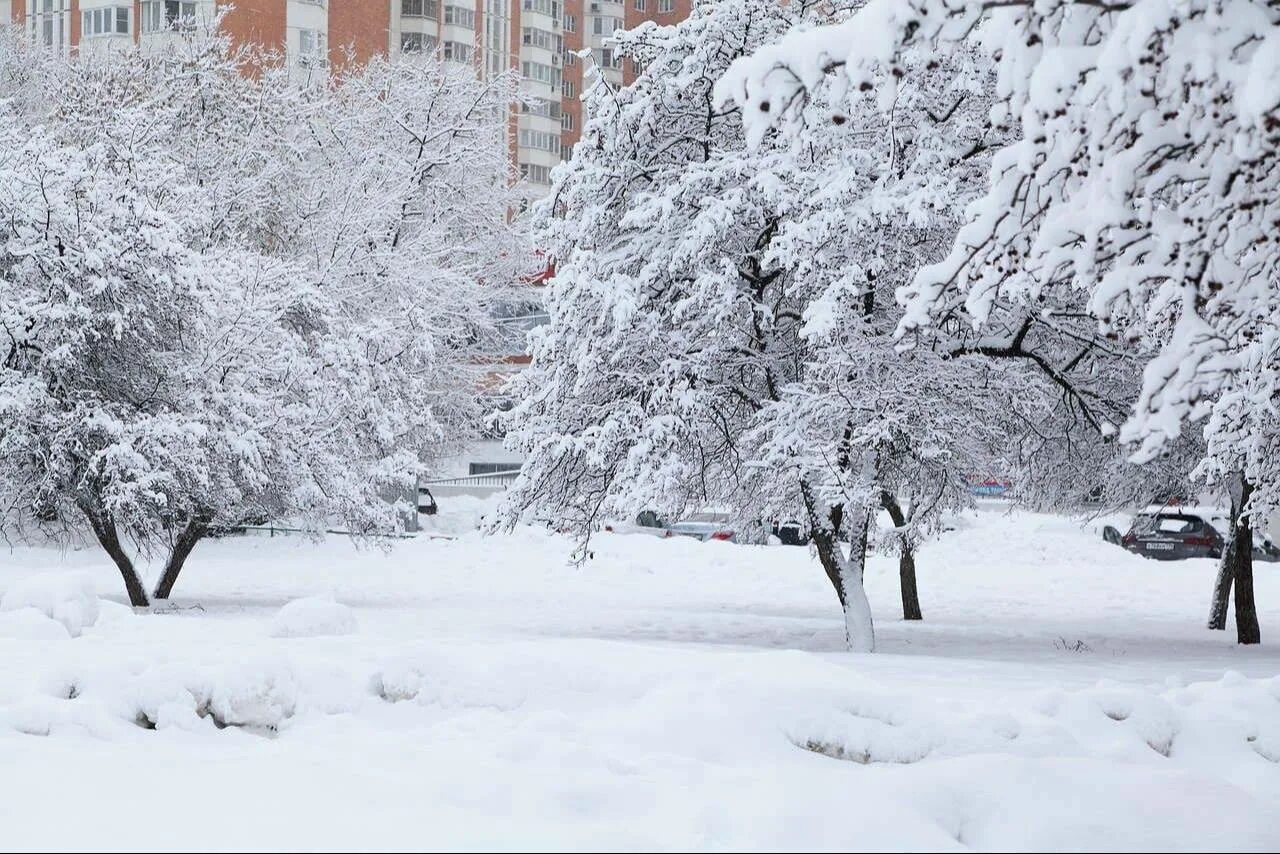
(845, 575)
(858, 627)
(1222, 584)
(104, 528)
(1247, 631)
(906, 559)
(1236, 568)
(192, 534)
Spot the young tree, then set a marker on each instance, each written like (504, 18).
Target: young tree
(719, 334)
(229, 298)
(1142, 188)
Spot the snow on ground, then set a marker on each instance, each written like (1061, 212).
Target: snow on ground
(1061, 694)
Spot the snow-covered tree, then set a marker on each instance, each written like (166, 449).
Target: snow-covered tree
(1142, 187)
(722, 319)
(226, 298)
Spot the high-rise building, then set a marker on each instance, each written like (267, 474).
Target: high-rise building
(541, 39)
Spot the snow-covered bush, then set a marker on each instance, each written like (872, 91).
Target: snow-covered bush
(258, 694)
(227, 298)
(312, 617)
(69, 599)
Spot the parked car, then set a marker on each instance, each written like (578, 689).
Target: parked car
(791, 533)
(706, 525)
(1178, 533)
(647, 522)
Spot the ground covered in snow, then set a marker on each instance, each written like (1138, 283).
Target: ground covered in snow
(482, 693)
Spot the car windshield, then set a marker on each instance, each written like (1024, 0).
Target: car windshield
(1165, 524)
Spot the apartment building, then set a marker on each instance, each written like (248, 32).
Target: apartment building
(557, 46)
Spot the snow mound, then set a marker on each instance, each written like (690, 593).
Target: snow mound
(313, 617)
(256, 695)
(69, 598)
(31, 624)
(263, 695)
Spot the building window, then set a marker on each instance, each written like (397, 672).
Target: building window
(161, 15)
(570, 57)
(666, 5)
(568, 90)
(460, 16)
(571, 23)
(457, 52)
(547, 109)
(419, 8)
(535, 37)
(566, 151)
(566, 121)
(107, 21)
(546, 7)
(541, 73)
(417, 43)
(310, 45)
(639, 5)
(48, 21)
(535, 174)
(540, 139)
(605, 26)
(609, 58)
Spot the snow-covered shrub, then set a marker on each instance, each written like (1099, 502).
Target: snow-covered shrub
(68, 598)
(312, 617)
(257, 694)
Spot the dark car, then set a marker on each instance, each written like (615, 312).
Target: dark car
(1173, 536)
(791, 533)
(1177, 533)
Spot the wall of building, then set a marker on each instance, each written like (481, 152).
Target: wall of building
(260, 23)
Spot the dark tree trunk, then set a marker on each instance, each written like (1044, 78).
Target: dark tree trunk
(104, 528)
(1222, 586)
(1247, 630)
(1236, 568)
(825, 540)
(906, 559)
(192, 534)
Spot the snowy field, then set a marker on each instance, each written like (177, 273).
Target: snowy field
(481, 693)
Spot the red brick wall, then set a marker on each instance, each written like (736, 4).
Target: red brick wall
(682, 10)
(358, 31)
(256, 22)
(573, 73)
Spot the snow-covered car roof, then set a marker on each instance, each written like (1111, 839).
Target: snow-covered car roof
(1202, 510)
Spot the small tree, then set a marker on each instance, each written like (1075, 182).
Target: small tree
(228, 298)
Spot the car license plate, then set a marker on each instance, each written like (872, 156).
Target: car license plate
(1160, 547)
